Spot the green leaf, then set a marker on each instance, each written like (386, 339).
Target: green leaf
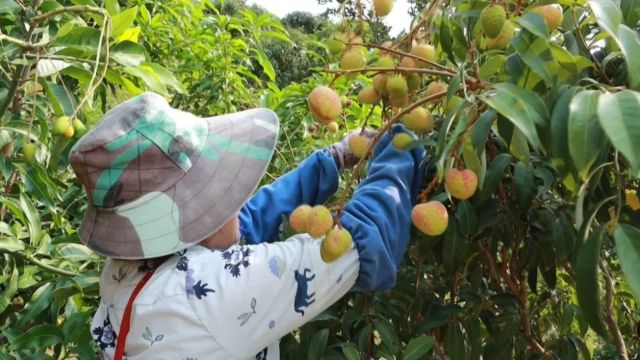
(123, 21)
(33, 217)
(61, 101)
(454, 342)
(631, 11)
(112, 7)
(127, 53)
(536, 53)
(607, 14)
(586, 138)
(587, 284)
(522, 107)
(9, 6)
(492, 179)
(166, 77)
(534, 22)
(491, 66)
(8, 244)
(39, 302)
(559, 145)
(82, 38)
(618, 115)
(387, 332)
(481, 129)
(10, 289)
(318, 345)
(39, 337)
(417, 348)
(350, 352)
(523, 183)
(452, 248)
(264, 61)
(148, 76)
(628, 249)
(630, 45)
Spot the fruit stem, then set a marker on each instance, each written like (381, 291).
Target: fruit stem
(402, 53)
(356, 170)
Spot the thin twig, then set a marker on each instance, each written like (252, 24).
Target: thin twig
(608, 314)
(389, 69)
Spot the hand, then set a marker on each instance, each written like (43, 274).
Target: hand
(342, 153)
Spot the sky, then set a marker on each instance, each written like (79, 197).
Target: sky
(398, 19)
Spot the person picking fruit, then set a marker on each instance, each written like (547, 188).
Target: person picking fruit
(195, 269)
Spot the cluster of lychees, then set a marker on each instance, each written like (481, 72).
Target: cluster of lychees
(318, 222)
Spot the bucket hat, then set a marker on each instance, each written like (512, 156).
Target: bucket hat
(159, 180)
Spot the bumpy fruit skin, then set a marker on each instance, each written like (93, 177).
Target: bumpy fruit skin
(398, 102)
(552, 15)
(69, 132)
(419, 120)
(397, 86)
(359, 145)
(413, 82)
(299, 218)
(380, 83)
(335, 244)
(504, 39)
(61, 124)
(369, 95)
(352, 59)
(320, 221)
(382, 7)
(434, 88)
(431, 218)
(386, 61)
(492, 18)
(461, 184)
(336, 44)
(408, 62)
(426, 51)
(29, 151)
(402, 141)
(324, 104)
(333, 127)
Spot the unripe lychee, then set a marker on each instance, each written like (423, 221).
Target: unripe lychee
(436, 87)
(413, 82)
(388, 45)
(333, 127)
(397, 86)
(552, 15)
(69, 132)
(352, 59)
(336, 44)
(324, 104)
(452, 103)
(382, 7)
(402, 140)
(299, 218)
(359, 145)
(492, 18)
(380, 83)
(320, 221)
(461, 184)
(431, 218)
(335, 244)
(79, 127)
(29, 151)
(355, 41)
(61, 124)
(503, 40)
(419, 120)
(398, 101)
(425, 51)
(369, 95)
(386, 61)
(408, 62)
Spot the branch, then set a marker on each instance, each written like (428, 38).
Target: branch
(30, 258)
(69, 9)
(608, 314)
(402, 53)
(389, 69)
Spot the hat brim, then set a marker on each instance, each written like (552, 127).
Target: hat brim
(229, 168)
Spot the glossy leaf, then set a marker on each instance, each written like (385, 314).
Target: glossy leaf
(417, 348)
(618, 116)
(123, 20)
(537, 54)
(318, 344)
(586, 137)
(39, 336)
(628, 249)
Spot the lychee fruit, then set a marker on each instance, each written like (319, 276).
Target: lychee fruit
(503, 39)
(352, 59)
(492, 19)
(299, 218)
(335, 244)
(336, 44)
(419, 120)
(552, 15)
(320, 221)
(69, 132)
(29, 151)
(324, 104)
(402, 140)
(380, 83)
(359, 145)
(61, 124)
(435, 87)
(461, 184)
(397, 86)
(413, 82)
(408, 62)
(333, 127)
(452, 103)
(431, 218)
(426, 51)
(369, 95)
(386, 62)
(382, 7)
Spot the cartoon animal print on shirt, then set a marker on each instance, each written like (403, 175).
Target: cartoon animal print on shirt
(303, 299)
(235, 259)
(104, 336)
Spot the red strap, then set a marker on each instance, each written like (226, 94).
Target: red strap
(126, 318)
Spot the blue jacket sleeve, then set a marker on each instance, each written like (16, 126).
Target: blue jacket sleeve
(312, 182)
(379, 213)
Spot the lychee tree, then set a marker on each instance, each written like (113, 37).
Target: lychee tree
(527, 231)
